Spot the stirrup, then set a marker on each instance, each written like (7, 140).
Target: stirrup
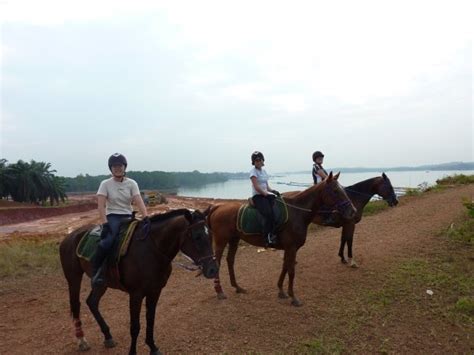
(271, 239)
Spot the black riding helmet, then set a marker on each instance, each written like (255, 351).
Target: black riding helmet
(256, 155)
(317, 154)
(117, 158)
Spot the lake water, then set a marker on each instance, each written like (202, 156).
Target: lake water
(241, 189)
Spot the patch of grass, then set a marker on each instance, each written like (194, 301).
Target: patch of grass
(464, 231)
(465, 305)
(322, 346)
(374, 207)
(413, 192)
(21, 258)
(457, 179)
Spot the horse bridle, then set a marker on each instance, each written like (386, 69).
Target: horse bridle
(190, 233)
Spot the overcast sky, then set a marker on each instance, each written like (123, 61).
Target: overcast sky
(199, 85)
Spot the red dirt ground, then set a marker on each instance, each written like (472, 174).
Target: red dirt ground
(190, 319)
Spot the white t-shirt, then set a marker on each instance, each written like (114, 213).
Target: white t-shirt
(262, 180)
(119, 195)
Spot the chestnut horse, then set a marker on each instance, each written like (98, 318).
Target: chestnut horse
(360, 194)
(144, 270)
(302, 208)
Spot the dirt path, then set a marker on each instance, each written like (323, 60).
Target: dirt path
(190, 319)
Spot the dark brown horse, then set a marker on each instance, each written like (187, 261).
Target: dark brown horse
(360, 194)
(144, 270)
(301, 211)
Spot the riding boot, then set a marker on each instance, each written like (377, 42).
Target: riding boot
(98, 267)
(271, 239)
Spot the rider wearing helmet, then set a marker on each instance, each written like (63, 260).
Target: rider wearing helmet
(263, 196)
(114, 201)
(319, 174)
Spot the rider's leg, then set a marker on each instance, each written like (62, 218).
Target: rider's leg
(104, 248)
(263, 205)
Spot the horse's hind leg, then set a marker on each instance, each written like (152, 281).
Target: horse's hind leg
(93, 302)
(74, 285)
(231, 252)
(73, 273)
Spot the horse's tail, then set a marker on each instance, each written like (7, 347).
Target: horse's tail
(71, 266)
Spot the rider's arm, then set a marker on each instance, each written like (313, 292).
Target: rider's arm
(101, 199)
(138, 201)
(321, 173)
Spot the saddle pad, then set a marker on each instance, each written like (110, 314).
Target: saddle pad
(250, 221)
(88, 244)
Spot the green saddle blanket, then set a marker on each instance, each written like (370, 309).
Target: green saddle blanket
(250, 221)
(88, 245)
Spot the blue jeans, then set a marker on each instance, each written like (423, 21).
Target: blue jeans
(114, 221)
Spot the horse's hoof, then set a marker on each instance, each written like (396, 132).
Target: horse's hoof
(296, 302)
(156, 352)
(240, 290)
(282, 295)
(344, 261)
(110, 343)
(83, 345)
(221, 296)
(354, 265)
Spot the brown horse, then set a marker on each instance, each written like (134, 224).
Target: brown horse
(144, 270)
(360, 194)
(301, 211)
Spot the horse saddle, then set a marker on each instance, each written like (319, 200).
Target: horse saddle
(88, 244)
(250, 221)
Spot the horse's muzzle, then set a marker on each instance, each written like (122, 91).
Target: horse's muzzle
(210, 268)
(349, 211)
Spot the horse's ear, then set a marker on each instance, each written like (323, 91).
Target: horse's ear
(188, 215)
(330, 176)
(337, 175)
(384, 176)
(207, 211)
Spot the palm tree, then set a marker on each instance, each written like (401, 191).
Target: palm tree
(34, 182)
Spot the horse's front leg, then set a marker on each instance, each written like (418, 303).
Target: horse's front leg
(93, 301)
(348, 232)
(281, 279)
(341, 247)
(290, 256)
(135, 302)
(233, 246)
(217, 281)
(151, 301)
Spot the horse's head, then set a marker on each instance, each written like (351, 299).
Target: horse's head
(197, 244)
(384, 188)
(333, 195)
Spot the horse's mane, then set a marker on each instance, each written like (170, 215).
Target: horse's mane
(362, 185)
(175, 213)
(303, 194)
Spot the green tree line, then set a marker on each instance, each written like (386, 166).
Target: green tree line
(32, 182)
(147, 180)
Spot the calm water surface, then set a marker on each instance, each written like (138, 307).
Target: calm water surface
(241, 189)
